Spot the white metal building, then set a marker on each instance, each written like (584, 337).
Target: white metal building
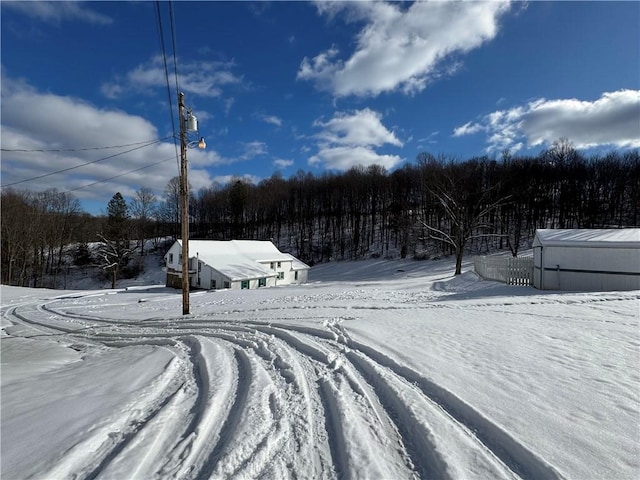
(234, 264)
(587, 260)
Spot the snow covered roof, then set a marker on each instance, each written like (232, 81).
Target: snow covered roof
(613, 237)
(239, 259)
(260, 251)
(297, 264)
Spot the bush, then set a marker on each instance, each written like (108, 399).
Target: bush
(82, 255)
(132, 269)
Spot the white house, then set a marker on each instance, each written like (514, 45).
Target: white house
(587, 260)
(235, 264)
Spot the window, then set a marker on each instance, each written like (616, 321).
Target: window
(279, 264)
(262, 282)
(227, 285)
(180, 258)
(244, 284)
(213, 284)
(199, 267)
(281, 275)
(171, 258)
(295, 275)
(273, 265)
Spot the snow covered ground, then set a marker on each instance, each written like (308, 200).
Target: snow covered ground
(375, 369)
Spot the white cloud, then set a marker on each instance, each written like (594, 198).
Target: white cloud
(401, 48)
(343, 158)
(271, 119)
(112, 90)
(228, 103)
(613, 119)
(362, 127)
(253, 149)
(282, 163)
(57, 12)
(468, 128)
(319, 68)
(430, 139)
(348, 139)
(206, 79)
(36, 120)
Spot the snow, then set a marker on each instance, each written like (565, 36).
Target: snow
(600, 237)
(375, 369)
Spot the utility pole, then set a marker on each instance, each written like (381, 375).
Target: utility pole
(184, 197)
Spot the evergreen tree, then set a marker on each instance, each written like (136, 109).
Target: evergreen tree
(117, 217)
(115, 250)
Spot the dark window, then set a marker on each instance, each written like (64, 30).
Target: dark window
(244, 284)
(262, 282)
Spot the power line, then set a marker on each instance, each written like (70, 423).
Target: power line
(118, 176)
(81, 165)
(175, 50)
(166, 76)
(79, 149)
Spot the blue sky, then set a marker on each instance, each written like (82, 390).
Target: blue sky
(289, 86)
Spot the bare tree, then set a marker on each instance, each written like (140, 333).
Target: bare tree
(111, 256)
(143, 208)
(16, 223)
(63, 208)
(169, 209)
(466, 197)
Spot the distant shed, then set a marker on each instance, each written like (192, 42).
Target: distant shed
(587, 260)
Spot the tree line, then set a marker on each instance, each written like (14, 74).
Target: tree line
(45, 234)
(435, 207)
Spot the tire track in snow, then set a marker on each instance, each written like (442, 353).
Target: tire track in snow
(23, 314)
(521, 461)
(379, 446)
(187, 349)
(127, 437)
(233, 417)
(327, 362)
(293, 378)
(333, 425)
(291, 410)
(214, 392)
(512, 453)
(419, 441)
(96, 451)
(201, 377)
(508, 450)
(347, 376)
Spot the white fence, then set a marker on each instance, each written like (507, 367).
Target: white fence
(509, 270)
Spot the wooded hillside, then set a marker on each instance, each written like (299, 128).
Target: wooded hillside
(486, 204)
(433, 207)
